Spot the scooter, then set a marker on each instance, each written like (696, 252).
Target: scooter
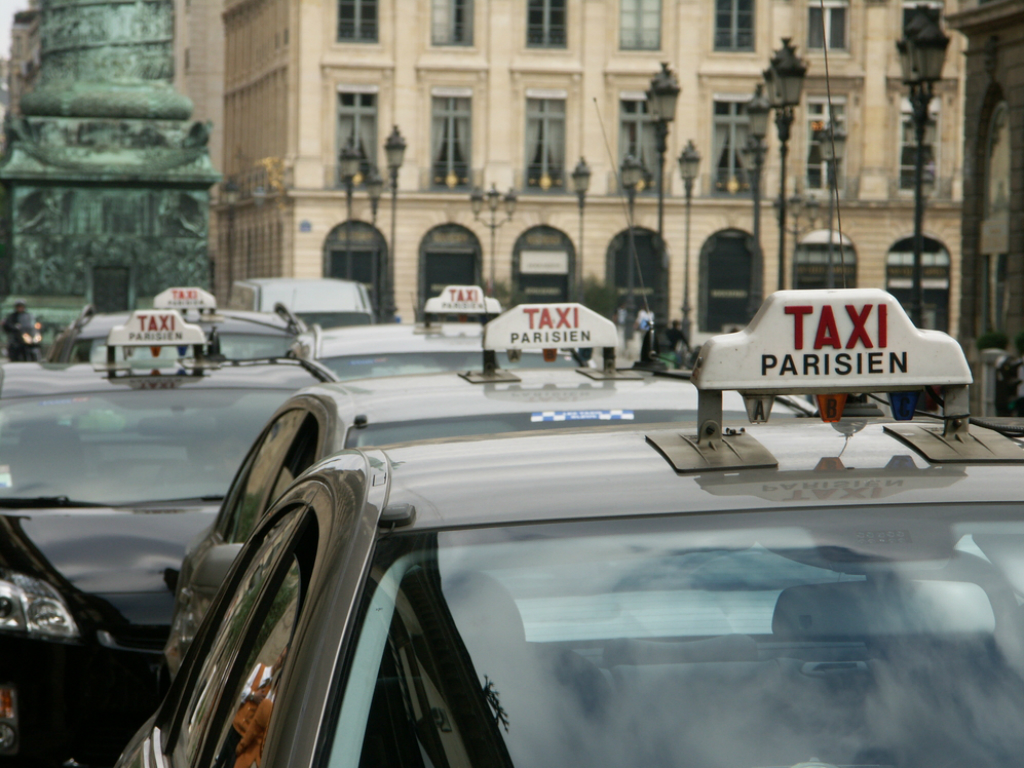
(26, 346)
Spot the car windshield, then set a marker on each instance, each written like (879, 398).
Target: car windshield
(400, 363)
(135, 445)
(233, 346)
(335, 319)
(823, 637)
(384, 433)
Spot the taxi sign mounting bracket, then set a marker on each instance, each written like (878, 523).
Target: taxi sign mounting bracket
(608, 371)
(491, 372)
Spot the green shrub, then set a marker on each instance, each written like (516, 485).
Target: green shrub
(993, 340)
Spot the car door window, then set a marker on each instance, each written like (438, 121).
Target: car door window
(248, 498)
(244, 605)
(299, 458)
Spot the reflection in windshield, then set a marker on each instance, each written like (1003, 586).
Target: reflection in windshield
(233, 346)
(401, 363)
(129, 446)
(852, 637)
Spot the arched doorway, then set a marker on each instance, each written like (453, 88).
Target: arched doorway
(652, 273)
(355, 250)
(726, 261)
(899, 279)
(449, 255)
(543, 265)
(810, 262)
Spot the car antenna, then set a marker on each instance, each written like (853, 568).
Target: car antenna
(833, 187)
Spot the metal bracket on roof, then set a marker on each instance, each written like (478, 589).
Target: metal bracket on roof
(608, 371)
(491, 373)
(955, 441)
(710, 449)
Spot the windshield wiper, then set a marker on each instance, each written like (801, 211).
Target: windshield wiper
(38, 502)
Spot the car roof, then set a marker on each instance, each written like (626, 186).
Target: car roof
(42, 379)
(397, 338)
(394, 399)
(233, 321)
(588, 473)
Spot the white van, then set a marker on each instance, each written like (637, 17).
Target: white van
(327, 301)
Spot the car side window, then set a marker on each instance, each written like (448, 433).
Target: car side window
(247, 604)
(81, 351)
(248, 498)
(299, 458)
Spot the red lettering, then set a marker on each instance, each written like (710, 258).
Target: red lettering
(828, 334)
(798, 313)
(453, 294)
(576, 317)
(152, 324)
(530, 312)
(859, 332)
(167, 323)
(142, 322)
(563, 318)
(545, 319)
(883, 325)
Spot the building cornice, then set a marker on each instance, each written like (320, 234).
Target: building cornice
(986, 17)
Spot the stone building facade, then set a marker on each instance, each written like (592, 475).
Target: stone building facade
(23, 67)
(993, 209)
(512, 93)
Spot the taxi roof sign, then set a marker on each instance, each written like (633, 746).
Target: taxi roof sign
(549, 326)
(462, 300)
(155, 328)
(830, 341)
(184, 299)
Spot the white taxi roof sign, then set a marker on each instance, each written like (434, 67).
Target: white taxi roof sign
(155, 328)
(462, 300)
(549, 326)
(185, 298)
(830, 341)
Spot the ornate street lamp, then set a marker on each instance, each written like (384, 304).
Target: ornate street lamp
(348, 167)
(922, 55)
(493, 198)
(832, 142)
(229, 192)
(758, 109)
(784, 78)
(689, 167)
(394, 152)
(374, 187)
(631, 173)
(662, 96)
(580, 185)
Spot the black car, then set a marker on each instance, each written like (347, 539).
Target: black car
(105, 476)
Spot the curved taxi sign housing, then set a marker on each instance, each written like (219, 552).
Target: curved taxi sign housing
(462, 300)
(185, 299)
(549, 326)
(824, 342)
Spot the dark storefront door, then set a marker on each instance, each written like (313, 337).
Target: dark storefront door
(444, 269)
(651, 275)
(358, 265)
(544, 288)
(725, 273)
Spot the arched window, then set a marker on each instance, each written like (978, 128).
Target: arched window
(811, 261)
(621, 271)
(355, 250)
(899, 279)
(726, 260)
(449, 255)
(543, 265)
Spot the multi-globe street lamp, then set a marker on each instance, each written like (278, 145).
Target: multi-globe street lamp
(758, 109)
(580, 185)
(662, 96)
(394, 153)
(349, 160)
(689, 167)
(922, 55)
(785, 79)
(493, 199)
(631, 173)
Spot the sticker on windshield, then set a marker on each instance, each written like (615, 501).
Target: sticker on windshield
(582, 415)
(5, 476)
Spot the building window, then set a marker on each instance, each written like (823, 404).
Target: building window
(450, 142)
(640, 25)
(830, 27)
(545, 144)
(729, 169)
(638, 137)
(357, 122)
(910, 7)
(545, 24)
(908, 145)
(734, 25)
(817, 120)
(357, 21)
(452, 22)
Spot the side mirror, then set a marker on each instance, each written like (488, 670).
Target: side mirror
(210, 573)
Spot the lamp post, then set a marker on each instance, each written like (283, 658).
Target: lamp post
(662, 96)
(689, 165)
(784, 78)
(374, 188)
(493, 199)
(580, 185)
(348, 167)
(230, 193)
(757, 110)
(394, 151)
(922, 54)
(630, 174)
(797, 206)
(832, 142)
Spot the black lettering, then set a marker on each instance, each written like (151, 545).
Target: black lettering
(811, 361)
(843, 363)
(860, 362)
(831, 408)
(897, 361)
(538, 337)
(515, 338)
(826, 363)
(759, 410)
(875, 362)
(585, 335)
(788, 366)
(768, 362)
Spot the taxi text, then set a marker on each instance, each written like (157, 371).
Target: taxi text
(546, 324)
(156, 327)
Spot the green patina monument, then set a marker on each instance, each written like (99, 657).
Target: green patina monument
(107, 179)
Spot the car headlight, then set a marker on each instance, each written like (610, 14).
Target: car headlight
(33, 607)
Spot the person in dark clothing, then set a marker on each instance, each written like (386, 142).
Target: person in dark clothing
(17, 324)
(677, 341)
